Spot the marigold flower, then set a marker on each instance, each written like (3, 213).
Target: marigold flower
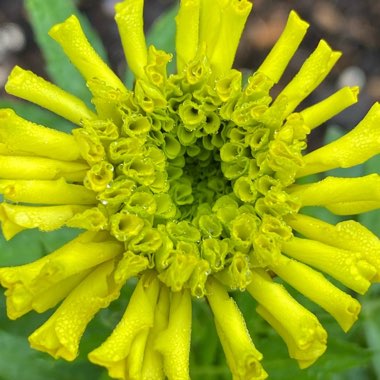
(187, 182)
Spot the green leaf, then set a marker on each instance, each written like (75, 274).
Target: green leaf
(43, 15)
(371, 324)
(19, 362)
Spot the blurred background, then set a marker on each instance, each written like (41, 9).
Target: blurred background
(350, 26)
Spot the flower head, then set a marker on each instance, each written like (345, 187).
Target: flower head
(187, 182)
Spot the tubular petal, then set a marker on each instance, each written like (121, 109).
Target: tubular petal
(348, 235)
(242, 356)
(22, 136)
(209, 23)
(153, 366)
(20, 300)
(355, 147)
(15, 218)
(26, 283)
(232, 20)
(187, 32)
(26, 167)
(178, 269)
(29, 86)
(50, 297)
(338, 190)
(311, 74)
(129, 265)
(99, 176)
(137, 319)
(350, 268)
(174, 342)
(106, 100)
(282, 52)
(90, 146)
(70, 36)
(129, 19)
(301, 330)
(91, 219)
(318, 113)
(133, 366)
(317, 288)
(60, 335)
(46, 192)
(353, 208)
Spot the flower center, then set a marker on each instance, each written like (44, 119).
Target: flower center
(191, 173)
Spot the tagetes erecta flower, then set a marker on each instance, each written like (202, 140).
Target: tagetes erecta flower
(187, 182)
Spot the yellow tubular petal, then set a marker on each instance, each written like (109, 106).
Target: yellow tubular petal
(233, 18)
(26, 283)
(300, 329)
(106, 100)
(27, 273)
(21, 136)
(90, 146)
(73, 41)
(355, 147)
(350, 268)
(181, 267)
(46, 192)
(129, 266)
(133, 367)
(60, 335)
(353, 208)
(317, 114)
(54, 294)
(15, 218)
(335, 190)
(8, 227)
(22, 167)
(139, 316)
(311, 74)
(349, 235)
(153, 367)
(277, 60)
(174, 342)
(242, 356)
(229, 354)
(187, 21)
(91, 219)
(20, 302)
(209, 23)
(75, 256)
(129, 19)
(29, 86)
(99, 176)
(317, 288)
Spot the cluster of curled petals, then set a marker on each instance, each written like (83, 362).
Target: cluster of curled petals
(186, 182)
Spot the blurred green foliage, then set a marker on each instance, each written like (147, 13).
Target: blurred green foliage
(355, 355)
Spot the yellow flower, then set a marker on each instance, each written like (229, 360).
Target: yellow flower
(188, 183)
